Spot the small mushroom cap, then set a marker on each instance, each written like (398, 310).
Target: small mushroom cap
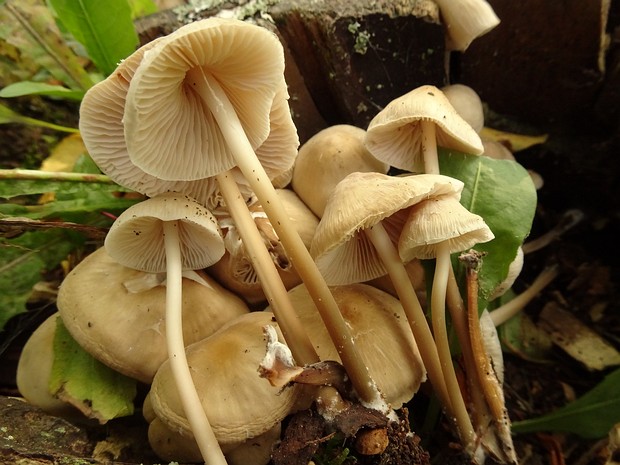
(125, 328)
(380, 331)
(170, 132)
(394, 135)
(238, 403)
(438, 220)
(360, 201)
(465, 20)
(136, 238)
(326, 158)
(467, 103)
(34, 370)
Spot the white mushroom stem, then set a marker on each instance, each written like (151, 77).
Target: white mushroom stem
(224, 113)
(504, 312)
(290, 325)
(438, 319)
(192, 406)
(413, 310)
(429, 147)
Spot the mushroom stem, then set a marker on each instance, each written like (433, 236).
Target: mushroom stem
(438, 319)
(413, 310)
(429, 147)
(192, 406)
(504, 312)
(215, 98)
(290, 325)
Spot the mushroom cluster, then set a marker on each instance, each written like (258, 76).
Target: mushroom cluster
(241, 234)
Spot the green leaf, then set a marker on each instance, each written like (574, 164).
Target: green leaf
(23, 261)
(502, 193)
(81, 380)
(19, 89)
(590, 416)
(29, 26)
(8, 116)
(141, 8)
(105, 29)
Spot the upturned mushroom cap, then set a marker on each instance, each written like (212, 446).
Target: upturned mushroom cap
(360, 201)
(117, 315)
(170, 132)
(440, 219)
(394, 135)
(34, 371)
(326, 158)
(380, 330)
(136, 237)
(239, 404)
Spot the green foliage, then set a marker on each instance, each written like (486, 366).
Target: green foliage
(105, 29)
(8, 116)
(22, 88)
(334, 453)
(502, 193)
(76, 377)
(590, 416)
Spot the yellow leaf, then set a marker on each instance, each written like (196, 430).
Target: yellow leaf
(515, 142)
(65, 154)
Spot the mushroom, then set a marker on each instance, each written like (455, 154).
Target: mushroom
(214, 81)
(465, 20)
(355, 242)
(467, 103)
(436, 228)
(379, 326)
(172, 232)
(34, 370)
(240, 404)
(406, 133)
(326, 158)
(117, 314)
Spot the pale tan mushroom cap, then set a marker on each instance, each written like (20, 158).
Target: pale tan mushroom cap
(169, 130)
(136, 238)
(465, 20)
(360, 201)
(439, 220)
(328, 157)
(224, 366)
(380, 331)
(394, 134)
(125, 328)
(467, 103)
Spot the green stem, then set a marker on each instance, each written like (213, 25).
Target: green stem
(38, 175)
(192, 406)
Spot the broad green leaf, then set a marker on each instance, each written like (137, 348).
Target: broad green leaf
(81, 380)
(29, 26)
(105, 29)
(502, 193)
(590, 416)
(8, 116)
(19, 89)
(141, 8)
(23, 260)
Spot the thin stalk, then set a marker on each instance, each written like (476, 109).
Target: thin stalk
(294, 334)
(504, 312)
(429, 147)
(438, 319)
(224, 113)
(413, 310)
(44, 124)
(192, 406)
(38, 175)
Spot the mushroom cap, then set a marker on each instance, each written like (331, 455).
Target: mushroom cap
(467, 103)
(465, 20)
(239, 404)
(380, 331)
(136, 238)
(170, 132)
(326, 158)
(394, 135)
(34, 370)
(125, 328)
(360, 201)
(437, 220)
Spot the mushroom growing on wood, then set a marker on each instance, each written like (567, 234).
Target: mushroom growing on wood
(406, 133)
(240, 404)
(214, 81)
(117, 314)
(465, 20)
(171, 233)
